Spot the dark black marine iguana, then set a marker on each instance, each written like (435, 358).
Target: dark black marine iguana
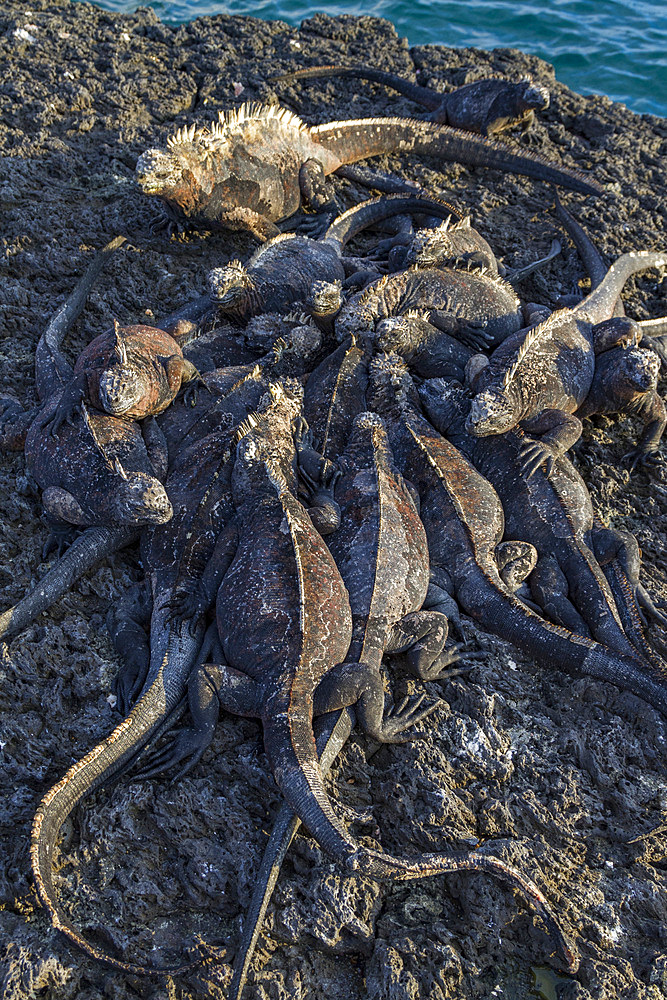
(464, 523)
(284, 622)
(484, 106)
(283, 271)
(259, 163)
(555, 514)
(154, 677)
(538, 378)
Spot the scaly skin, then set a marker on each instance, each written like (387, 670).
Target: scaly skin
(476, 308)
(175, 556)
(463, 518)
(334, 395)
(554, 513)
(131, 372)
(283, 271)
(427, 350)
(538, 378)
(259, 163)
(626, 381)
(284, 621)
(487, 107)
(381, 531)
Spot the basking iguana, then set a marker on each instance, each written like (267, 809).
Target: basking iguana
(484, 106)
(130, 372)
(154, 677)
(477, 308)
(555, 514)
(259, 163)
(538, 378)
(284, 622)
(464, 522)
(283, 271)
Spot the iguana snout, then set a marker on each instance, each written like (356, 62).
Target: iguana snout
(491, 412)
(120, 389)
(142, 499)
(641, 367)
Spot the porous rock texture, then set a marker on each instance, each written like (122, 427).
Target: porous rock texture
(562, 776)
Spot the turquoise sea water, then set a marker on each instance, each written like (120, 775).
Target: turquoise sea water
(613, 47)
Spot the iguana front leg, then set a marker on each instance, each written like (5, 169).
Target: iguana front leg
(647, 452)
(611, 544)
(68, 405)
(421, 636)
(549, 590)
(156, 447)
(317, 193)
(557, 431)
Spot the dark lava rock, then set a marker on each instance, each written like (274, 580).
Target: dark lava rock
(563, 777)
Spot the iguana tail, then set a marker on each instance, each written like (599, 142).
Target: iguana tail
(429, 99)
(84, 553)
(51, 367)
(291, 748)
(164, 693)
(359, 139)
(347, 225)
(599, 305)
(334, 731)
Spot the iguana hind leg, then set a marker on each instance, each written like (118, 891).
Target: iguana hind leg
(421, 636)
(516, 561)
(126, 623)
(549, 589)
(360, 685)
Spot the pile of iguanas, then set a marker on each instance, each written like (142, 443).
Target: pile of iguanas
(380, 445)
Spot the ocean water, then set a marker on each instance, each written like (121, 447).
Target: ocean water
(613, 47)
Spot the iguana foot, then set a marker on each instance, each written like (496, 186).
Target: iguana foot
(534, 454)
(637, 457)
(129, 682)
(400, 717)
(59, 540)
(187, 605)
(186, 744)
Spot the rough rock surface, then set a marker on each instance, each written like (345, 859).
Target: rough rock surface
(563, 777)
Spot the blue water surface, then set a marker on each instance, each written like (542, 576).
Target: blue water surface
(613, 47)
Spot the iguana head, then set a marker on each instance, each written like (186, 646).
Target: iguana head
(639, 368)
(228, 285)
(140, 499)
(390, 383)
(492, 411)
(534, 95)
(121, 389)
(401, 334)
(160, 172)
(326, 298)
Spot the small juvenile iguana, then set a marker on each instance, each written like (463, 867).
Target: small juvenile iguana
(484, 106)
(259, 163)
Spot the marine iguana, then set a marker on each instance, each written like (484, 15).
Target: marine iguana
(476, 308)
(284, 621)
(333, 396)
(538, 378)
(282, 272)
(257, 164)
(463, 518)
(174, 555)
(130, 372)
(554, 513)
(626, 381)
(487, 107)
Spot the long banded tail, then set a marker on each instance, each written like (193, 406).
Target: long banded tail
(358, 139)
(291, 748)
(347, 225)
(98, 766)
(84, 553)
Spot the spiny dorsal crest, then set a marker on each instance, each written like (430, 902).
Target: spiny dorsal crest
(184, 134)
(119, 347)
(88, 424)
(536, 334)
(246, 426)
